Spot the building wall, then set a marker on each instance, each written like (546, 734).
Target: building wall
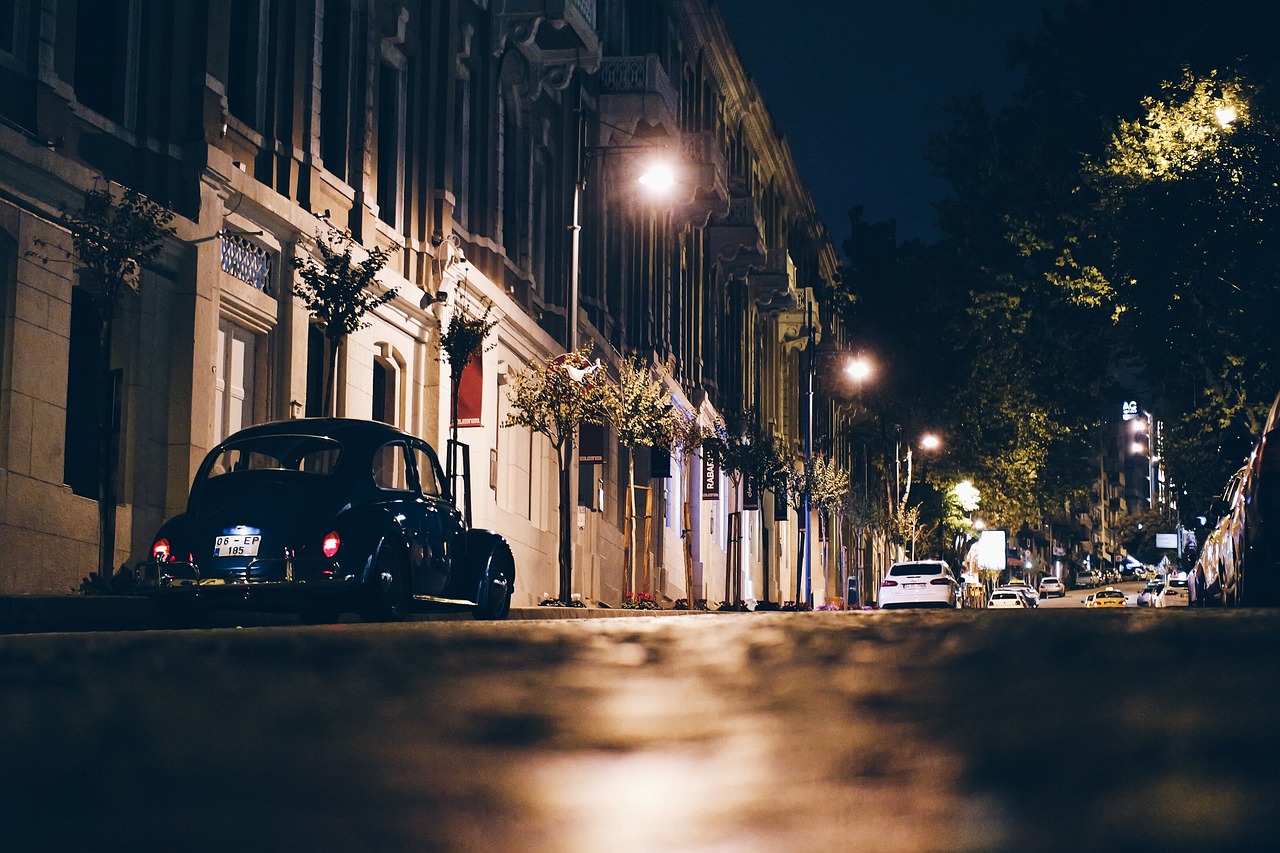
(448, 132)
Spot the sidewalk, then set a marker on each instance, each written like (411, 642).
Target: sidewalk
(38, 614)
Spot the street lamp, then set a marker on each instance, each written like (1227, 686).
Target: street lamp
(658, 178)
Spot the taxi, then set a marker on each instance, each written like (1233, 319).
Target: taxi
(1109, 597)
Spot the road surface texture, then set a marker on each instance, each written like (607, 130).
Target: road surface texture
(1066, 730)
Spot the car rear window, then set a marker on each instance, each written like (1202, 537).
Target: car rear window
(902, 569)
(307, 453)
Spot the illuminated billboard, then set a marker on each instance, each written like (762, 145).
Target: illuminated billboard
(991, 550)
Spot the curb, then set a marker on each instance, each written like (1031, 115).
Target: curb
(41, 614)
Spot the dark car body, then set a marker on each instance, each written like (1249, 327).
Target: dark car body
(321, 516)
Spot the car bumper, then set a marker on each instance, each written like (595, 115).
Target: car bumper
(279, 582)
(916, 598)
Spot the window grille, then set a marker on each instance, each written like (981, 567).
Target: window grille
(248, 262)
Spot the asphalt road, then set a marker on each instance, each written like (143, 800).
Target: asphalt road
(1056, 730)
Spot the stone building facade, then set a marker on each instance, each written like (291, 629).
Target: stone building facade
(463, 134)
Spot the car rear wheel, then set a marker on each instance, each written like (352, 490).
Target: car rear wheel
(389, 592)
(495, 598)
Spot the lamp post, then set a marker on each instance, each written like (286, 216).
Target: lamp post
(658, 177)
(808, 455)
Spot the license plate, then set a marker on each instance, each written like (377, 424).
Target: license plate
(236, 546)
(914, 585)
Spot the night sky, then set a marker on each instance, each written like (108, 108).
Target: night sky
(858, 86)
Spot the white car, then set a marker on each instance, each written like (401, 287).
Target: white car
(1152, 595)
(1050, 585)
(1007, 599)
(1028, 592)
(1175, 593)
(920, 583)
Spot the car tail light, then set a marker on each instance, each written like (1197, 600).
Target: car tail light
(940, 582)
(887, 582)
(161, 552)
(330, 544)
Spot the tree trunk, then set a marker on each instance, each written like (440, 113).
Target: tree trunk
(451, 465)
(565, 452)
(647, 561)
(800, 560)
(106, 455)
(331, 380)
(629, 528)
(686, 522)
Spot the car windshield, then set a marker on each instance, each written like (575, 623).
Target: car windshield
(307, 453)
(1180, 584)
(915, 569)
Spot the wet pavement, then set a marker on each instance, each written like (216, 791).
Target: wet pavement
(1064, 729)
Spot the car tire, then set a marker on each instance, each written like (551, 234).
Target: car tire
(495, 594)
(389, 596)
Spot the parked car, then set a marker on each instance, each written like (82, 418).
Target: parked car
(322, 516)
(1109, 597)
(1032, 594)
(1050, 585)
(1007, 599)
(1175, 594)
(919, 583)
(1152, 595)
(1086, 579)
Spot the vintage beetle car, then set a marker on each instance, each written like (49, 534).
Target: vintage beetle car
(321, 516)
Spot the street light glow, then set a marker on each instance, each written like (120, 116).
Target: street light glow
(659, 177)
(859, 369)
(1226, 116)
(929, 441)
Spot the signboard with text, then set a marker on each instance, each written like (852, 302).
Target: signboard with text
(710, 478)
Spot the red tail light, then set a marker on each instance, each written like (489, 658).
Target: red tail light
(160, 551)
(940, 582)
(887, 582)
(330, 544)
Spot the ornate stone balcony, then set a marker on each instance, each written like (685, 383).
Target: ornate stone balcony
(554, 35)
(774, 288)
(705, 170)
(736, 238)
(635, 89)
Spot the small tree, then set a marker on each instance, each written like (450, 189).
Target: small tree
(111, 241)
(554, 398)
(747, 450)
(827, 485)
(461, 341)
(639, 409)
(338, 291)
(688, 435)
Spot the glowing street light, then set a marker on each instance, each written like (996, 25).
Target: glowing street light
(859, 369)
(658, 178)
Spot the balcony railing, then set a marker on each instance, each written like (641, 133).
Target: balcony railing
(247, 261)
(638, 75)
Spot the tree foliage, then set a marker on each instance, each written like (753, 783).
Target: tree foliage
(463, 337)
(340, 291)
(111, 241)
(555, 397)
(1108, 236)
(745, 449)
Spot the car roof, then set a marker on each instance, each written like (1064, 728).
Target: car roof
(342, 429)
